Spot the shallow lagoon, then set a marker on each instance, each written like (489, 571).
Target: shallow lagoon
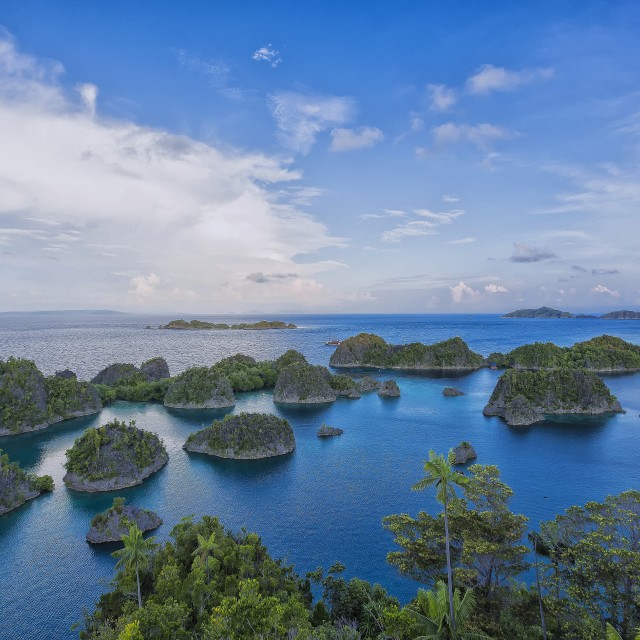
(325, 501)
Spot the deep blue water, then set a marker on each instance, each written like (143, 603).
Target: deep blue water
(325, 501)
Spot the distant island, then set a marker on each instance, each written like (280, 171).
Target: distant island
(201, 324)
(548, 312)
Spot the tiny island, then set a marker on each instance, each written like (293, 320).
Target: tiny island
(195, 325)
(548, 312)
(115, 522)
(17, 486)
(246, 436)
(113, 456)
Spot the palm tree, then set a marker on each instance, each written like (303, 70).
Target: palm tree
(205, 548)
(136, 554)
(440, 474)
(433, 620)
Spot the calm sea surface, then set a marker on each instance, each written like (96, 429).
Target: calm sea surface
(325, 501)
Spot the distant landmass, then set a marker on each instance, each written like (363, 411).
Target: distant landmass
(96, 312)
(548, 312)
(201, 324)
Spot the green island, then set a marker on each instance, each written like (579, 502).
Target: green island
(116, 521)
(305, 384)
(604, 354)
(113, 456)
(525, 397)
(29, 401)
(246, 436)
(17, 486)
(548, 312)
(370, 350)
(125, 381)
(470, 557)
(199, 388)
(201, 324)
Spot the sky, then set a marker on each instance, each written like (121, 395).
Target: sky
(351, 157)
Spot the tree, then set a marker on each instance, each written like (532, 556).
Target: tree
(433, 622)
(206, 548)
(136, 553)
(440, 474)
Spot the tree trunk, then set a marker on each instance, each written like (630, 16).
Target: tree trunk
(138, 583)
(449, 572)
(535, 554)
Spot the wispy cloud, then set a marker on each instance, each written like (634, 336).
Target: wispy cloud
(351, 139)
(489, 78)
(481, 135)
(601, 289)
(595, 272)
(526, 253)
(267, 54)
(387, 213)
(441, 97)
(411, 229)
(444, 217)
(448, 198)
(217, 71)
(301, 117)
(467, 240)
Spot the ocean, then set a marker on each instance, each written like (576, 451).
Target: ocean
(324, 502)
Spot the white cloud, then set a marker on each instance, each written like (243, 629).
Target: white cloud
(267, 54)
(194, 219)
(350, 139)
(489, 78)
(462, 292)
(526, 253)
(300, 117)
(445, 217)
(463, 240)
(217, 71)
(441, 97)
(409, 230)
(495, 288)
(606, 291)
(388, 213)
(89, 95)
(481, 135)
(447, 198)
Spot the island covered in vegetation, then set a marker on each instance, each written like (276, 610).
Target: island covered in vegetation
(604, 354)
(372, 351)
(246, 436)
(525, 397)
(548, 312)
(114, 523)
(113, 456)
(202, 324)
(30, 401)
(17, 486)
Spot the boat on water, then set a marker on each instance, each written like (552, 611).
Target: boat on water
(332, 342)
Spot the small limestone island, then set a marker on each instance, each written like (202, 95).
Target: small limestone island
(195, 325)
(389, 389)
(452, 392)
(29, 401)
(371, 351)
(200, 388)
(462, 453)
(526, 397)
(17, 486)
(113, 456)
(325, 431)
(548, 312)
(603, 354)
(117, 520)
(246, 436)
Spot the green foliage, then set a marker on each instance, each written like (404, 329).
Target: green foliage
(22, 395)
(367, 349)
(603, 353)
(196, 386)
(66, 396)
(342, 383)
(43, 484)
(245, 585)
(17, 486)
(244, 434)
(302, 383)
(245, 374)
(105, 452)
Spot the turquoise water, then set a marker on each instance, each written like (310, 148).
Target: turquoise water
(325, 501)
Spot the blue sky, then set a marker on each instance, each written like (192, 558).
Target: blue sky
(319, 156)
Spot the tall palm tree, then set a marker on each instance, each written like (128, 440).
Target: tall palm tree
(205, 549)
(612, 634)
(136, 553)
(433, 621)
(440, 474)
